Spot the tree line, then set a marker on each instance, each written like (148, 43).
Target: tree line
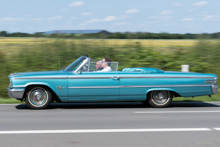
(117, 35)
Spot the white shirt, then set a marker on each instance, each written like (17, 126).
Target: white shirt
(107, 69)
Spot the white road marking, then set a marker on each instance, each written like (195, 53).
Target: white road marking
(105, 131)
(217, 129)
(178, 112)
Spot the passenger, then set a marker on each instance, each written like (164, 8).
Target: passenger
(106, 62)
(98, 66)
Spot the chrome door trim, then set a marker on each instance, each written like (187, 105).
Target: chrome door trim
(161, 86)
(40, 78)
(93, 87)
(82, 77)
(163, 77)
(107, 77)
(136, 86)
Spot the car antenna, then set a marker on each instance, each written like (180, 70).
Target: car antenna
(59, 60)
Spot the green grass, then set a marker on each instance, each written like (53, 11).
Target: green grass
(206, 98)
(199, 98)
(9, 101)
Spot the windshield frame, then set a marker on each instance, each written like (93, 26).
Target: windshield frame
(78, 63)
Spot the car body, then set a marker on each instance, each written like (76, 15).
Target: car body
(80, 82)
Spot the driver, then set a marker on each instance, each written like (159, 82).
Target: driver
(98, 65)
(106, 62)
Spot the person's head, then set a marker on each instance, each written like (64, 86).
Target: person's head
(106, 62)
(98, 65)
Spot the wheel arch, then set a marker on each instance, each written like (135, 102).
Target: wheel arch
(174, 92)
(54, 95)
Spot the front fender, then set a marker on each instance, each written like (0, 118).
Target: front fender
(40, 83)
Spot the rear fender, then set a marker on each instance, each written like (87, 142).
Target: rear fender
(168, 89)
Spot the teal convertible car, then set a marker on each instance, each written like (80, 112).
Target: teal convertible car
(81, 82)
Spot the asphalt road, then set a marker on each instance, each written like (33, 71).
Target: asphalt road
(183, 124)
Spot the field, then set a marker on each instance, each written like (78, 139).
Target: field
(12, 44)
(108, 42)
(41, 54)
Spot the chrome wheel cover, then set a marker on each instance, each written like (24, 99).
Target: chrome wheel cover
(38, 97)
(160, 97)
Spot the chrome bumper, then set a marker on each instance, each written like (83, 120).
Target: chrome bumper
(16, 93)
(214, 89)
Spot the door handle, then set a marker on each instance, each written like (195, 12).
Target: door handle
(115, 78)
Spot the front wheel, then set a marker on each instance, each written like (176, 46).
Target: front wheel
(159, 99)
(38, 97)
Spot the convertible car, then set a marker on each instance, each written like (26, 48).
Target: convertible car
(81, 82)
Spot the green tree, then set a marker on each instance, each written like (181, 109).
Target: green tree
(3, 34)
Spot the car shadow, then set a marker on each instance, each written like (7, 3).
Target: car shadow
(119, 105)
(90, 105)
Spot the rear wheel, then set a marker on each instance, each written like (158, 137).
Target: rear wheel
(160, 98)
(38, 97)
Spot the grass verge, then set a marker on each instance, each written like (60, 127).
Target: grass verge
(9, 101)
(200, 98)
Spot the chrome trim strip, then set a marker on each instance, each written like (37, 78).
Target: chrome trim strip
(143, 86)
(136, 86)
(108, 77)
(19, 86)
(89, 77)
(40, 78)
(162, 77)
(93, 87)
(16, 93)
(105, 77)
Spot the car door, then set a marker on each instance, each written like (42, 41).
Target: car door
(133, 86)
(93, 86)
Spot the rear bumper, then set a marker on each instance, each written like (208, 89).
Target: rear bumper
(214, 89)
(16, 93)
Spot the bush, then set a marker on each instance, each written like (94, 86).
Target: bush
(202, 57)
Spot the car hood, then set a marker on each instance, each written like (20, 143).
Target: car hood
(39, 73)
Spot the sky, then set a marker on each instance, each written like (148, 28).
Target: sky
(156, 16)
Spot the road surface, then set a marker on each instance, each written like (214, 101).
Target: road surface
(183, 124)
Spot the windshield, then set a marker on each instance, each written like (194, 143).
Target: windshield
(73, 66)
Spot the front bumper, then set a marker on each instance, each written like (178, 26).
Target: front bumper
(214, 89)
(16, 93)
